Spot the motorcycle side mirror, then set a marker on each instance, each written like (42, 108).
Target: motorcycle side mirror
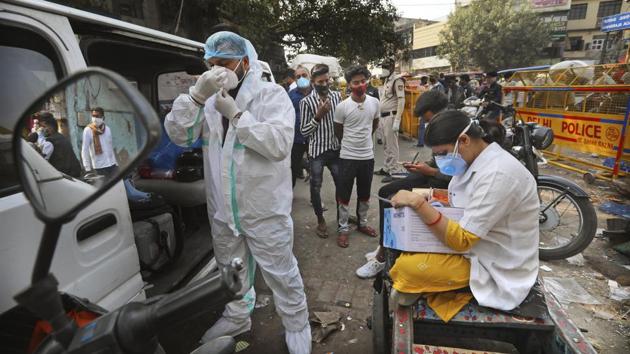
(93, 123)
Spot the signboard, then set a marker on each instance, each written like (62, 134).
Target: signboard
(558, 21)
(616, 22)
(550, 5)
(584, 132)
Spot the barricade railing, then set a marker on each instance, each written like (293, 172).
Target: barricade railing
(590, 119)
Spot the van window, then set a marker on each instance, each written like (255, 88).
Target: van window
(28, 67)
(171, 85)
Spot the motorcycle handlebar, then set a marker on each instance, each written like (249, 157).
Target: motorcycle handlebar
(138, 323)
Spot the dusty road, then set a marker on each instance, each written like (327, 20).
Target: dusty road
(331, 284)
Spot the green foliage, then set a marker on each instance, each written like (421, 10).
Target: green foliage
(493, 34)
(353, 30)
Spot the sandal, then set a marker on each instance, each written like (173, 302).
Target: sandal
(367, 231)
(342, 240)
(321, 231)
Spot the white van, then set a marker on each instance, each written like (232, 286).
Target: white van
(41, 43)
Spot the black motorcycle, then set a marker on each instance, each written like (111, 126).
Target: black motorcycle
(567, 219)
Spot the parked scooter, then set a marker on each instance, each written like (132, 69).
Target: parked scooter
(56, 199)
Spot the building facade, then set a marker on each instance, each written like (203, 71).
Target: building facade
(585, 40)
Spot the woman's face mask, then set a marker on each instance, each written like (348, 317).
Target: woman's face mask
(452, 164)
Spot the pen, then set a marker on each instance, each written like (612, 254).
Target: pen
(383, 199)
(415, 157)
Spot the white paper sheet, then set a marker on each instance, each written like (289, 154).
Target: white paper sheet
(405, 231)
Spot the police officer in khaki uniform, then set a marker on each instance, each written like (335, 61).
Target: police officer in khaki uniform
(392, 98)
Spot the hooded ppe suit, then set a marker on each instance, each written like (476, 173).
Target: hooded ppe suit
(248, 188)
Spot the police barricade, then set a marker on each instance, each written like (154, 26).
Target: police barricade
(409, 123)
(587, 108)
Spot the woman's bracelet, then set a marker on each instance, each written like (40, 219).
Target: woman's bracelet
(437, 220)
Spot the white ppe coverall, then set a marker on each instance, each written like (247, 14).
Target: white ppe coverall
(249, 194)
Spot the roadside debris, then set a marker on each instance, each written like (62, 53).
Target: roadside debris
(567, 290)
(618, 293)
(545, 268)
(325, 323)
(577, 260)
(241, 345)
(262, 301)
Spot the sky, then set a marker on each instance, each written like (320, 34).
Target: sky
(425, 9)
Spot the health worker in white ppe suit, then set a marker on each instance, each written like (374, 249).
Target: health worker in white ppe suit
(247, 129)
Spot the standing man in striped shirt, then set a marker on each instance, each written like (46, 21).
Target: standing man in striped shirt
(317, 113)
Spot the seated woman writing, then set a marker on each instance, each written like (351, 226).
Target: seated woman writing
(498, 230)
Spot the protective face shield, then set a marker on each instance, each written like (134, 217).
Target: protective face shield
(303, 83)
(97, 121)
(453, 164)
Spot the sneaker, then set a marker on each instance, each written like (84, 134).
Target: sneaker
(370, 269)
(387, 179)
(371, 255)
(226, 327)
(381, 172)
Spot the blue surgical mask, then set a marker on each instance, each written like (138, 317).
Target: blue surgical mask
(453, 164)
(303, 83)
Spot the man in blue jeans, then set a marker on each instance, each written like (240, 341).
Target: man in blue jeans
(356, 119)
(317, 113)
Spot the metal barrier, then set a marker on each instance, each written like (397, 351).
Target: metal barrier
(587, 118)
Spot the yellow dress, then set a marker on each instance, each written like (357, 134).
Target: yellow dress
(436, 275)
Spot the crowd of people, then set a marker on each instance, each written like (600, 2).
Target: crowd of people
(255, 135)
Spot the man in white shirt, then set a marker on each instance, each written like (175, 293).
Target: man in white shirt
(356, 119)
(97, 151)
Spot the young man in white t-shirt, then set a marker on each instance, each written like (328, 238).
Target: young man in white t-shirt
(356, 119)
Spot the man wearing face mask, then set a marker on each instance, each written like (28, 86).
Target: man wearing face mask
(247, 129)
(317, 113)
(356, 119)
(97, 151)
(392, 96)
(299, 142)
(58, 150)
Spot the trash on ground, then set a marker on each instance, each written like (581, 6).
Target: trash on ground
(345, 304)
(577, 260)
(618, 293)
(567, 290)
(623, 248)
(241, 345)
(325, 323)
(603, 312)
(599, 232)
(262, 301)
(353, 341)
(545, 268)
(616, 209)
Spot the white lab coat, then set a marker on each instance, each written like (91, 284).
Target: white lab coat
(501, 205)
(248, 191)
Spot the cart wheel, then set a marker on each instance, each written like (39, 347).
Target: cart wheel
(589, 178)
(381, 327)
